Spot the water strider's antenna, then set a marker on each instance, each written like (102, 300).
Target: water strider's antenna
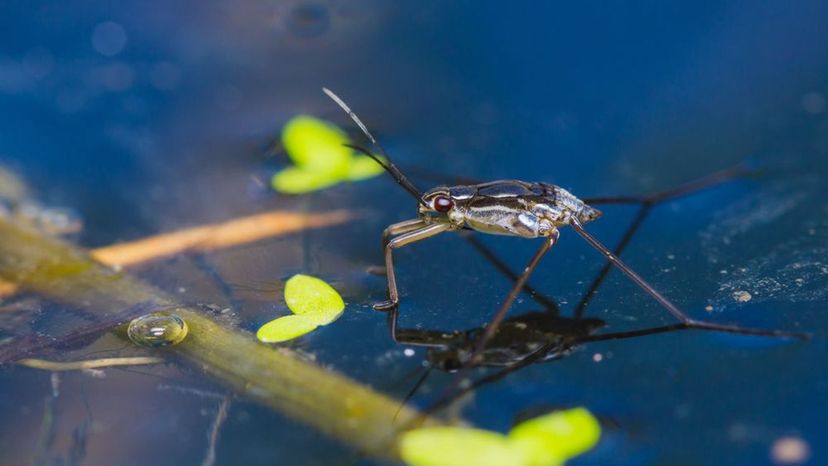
(385, 162)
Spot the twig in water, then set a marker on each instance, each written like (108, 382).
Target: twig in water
(221, 416)
(88, 364)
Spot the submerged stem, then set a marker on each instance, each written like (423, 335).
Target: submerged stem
(276, 377)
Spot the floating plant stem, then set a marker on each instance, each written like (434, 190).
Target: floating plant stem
(330, 402)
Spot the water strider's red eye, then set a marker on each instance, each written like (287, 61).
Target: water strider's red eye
(443, 204)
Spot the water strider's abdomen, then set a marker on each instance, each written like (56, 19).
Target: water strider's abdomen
(519, 208)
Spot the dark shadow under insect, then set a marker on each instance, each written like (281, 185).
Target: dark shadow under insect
(528, 210)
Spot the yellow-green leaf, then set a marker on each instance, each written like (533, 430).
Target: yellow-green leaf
(306, 295)
(551, 439)
(457, 446)
(321, 159)
(363, 167)
(286, 328)
(295, 180)
(316, 145)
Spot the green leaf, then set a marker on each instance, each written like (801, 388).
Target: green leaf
(286, 328)
(321, 159)
(295, 180)
(363, 167)
(316, 145)
(457, 446)
(310, 296)
(554, 438)
(313, 303)
(543, 441)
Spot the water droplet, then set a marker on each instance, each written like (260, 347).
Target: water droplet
(157, 329)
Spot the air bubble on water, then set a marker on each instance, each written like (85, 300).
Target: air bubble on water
(157, 329)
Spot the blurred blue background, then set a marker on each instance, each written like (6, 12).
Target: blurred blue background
(146, 117)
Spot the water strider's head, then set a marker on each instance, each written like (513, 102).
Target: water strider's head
(441, 205)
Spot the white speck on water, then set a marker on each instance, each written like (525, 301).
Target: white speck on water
(789, 268)
(408, 352)
(708, 308)
(790, 450)
(671, 256)
(597, 357)
(742, 296)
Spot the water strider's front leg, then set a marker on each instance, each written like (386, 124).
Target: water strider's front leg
(399, 228)
(398, 242)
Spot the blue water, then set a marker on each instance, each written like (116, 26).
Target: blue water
(145, 118)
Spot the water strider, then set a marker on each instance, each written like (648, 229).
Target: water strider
(514, 208)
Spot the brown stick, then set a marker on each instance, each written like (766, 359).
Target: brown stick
(209, 237)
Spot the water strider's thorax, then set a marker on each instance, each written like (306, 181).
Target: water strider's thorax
(506, 207)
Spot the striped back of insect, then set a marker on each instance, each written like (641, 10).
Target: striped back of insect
(506, 207)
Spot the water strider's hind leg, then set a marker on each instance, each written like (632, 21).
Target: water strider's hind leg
(647, 203)
(667, 304)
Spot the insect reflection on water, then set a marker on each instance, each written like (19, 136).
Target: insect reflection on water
(523, 209)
